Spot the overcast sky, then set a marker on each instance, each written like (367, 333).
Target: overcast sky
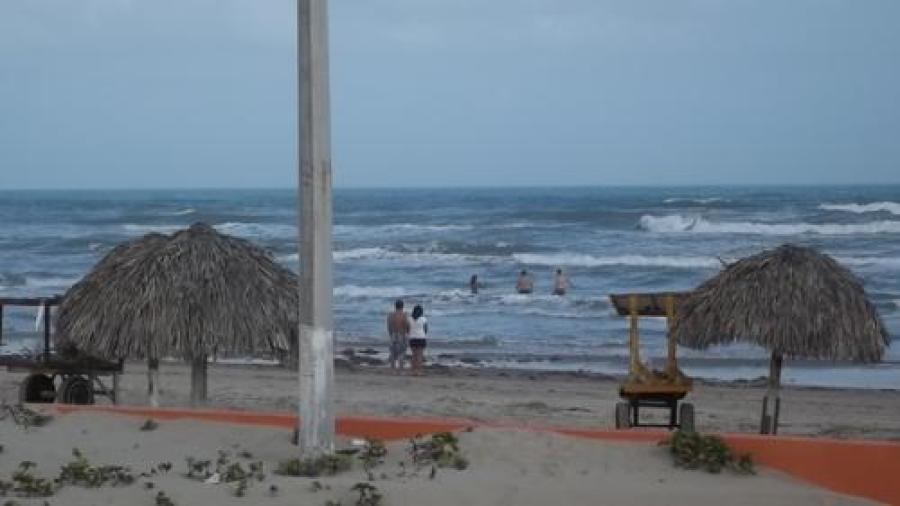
(201, 93)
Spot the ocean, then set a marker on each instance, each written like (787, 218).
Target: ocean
(422, 245)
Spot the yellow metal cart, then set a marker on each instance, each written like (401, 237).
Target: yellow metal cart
(645, 388)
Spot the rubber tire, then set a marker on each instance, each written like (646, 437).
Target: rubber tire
(34, 386)
(686, 417)
(623, 415)
(76, 390)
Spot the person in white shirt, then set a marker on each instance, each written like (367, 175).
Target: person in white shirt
(418, 331)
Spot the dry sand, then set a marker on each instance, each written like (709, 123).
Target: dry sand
(530, 398)
(507, 467)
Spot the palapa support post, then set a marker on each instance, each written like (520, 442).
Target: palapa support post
(46, 305)
(672, 347)
(633, 343)
(198, 380)
(153, 381)
(316, 345)
(769, 422)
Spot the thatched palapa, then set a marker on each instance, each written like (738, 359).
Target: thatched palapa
(792, 300)
(192, 294)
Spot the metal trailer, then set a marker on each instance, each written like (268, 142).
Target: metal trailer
(53, 377)
(643, 388)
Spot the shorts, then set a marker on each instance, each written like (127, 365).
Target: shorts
(417, 342)
(397, 348)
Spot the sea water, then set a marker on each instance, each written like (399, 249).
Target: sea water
(422, 245)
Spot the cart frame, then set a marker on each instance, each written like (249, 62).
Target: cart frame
(80, 378)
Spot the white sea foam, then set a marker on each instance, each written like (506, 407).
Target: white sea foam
(889, 262)
(394, 228)
(873, 207)
(258, 230)
(583, 260)
(695, 224)
(183, 212)
(50, 282)
(360, 292)
(702, 201)
(133, 228)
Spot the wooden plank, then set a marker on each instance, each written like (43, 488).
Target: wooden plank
(645, 304)
(54, 300)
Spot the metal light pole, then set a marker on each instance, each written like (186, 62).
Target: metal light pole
(316, 319)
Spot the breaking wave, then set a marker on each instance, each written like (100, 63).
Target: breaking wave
(361, 292)
(874, 207)
(701, 201)
(696, 224)
(582, 260)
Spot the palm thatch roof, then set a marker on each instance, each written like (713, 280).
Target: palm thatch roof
(194, 293)
(791, 300)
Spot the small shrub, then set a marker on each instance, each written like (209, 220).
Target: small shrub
(149, 425)
(369, 494)
(692, 450)
(325, 465)
(442, 450)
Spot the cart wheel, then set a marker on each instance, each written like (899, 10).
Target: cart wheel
(686, 417)
(623, 415)
(37, 388)
(76, 390)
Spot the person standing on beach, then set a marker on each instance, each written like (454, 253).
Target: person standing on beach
(418, 331)
(560, 283)
(473, 284)
(524, 284)
(398, 330)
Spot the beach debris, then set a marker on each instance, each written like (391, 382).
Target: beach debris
(23, 416)
(324, 465)
(442, 450)
(80, 472)
(149, 425)
(692, 450)
(214, 479)
(163, 500)
(273, 490)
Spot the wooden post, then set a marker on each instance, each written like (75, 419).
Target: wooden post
(198, 380)
(153, 381)
(634, 348)
(772, 399)
(46, 306)
(316, 361)
(672, 346)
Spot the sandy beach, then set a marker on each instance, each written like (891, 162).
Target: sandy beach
(506, 467)
(526, 398)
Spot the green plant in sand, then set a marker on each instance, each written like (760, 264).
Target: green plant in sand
(369, 494)
(442, 450)
(324, 465)
(23, 416)
(226, 471)
(163, 500)
(692, 450)
(80, 472)
(373, 453)
(25, 484)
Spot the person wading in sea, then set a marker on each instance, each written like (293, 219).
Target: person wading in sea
(524, 284)
(398, 330)
(560, 283)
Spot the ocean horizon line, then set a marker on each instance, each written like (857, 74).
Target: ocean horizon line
(463, 187)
